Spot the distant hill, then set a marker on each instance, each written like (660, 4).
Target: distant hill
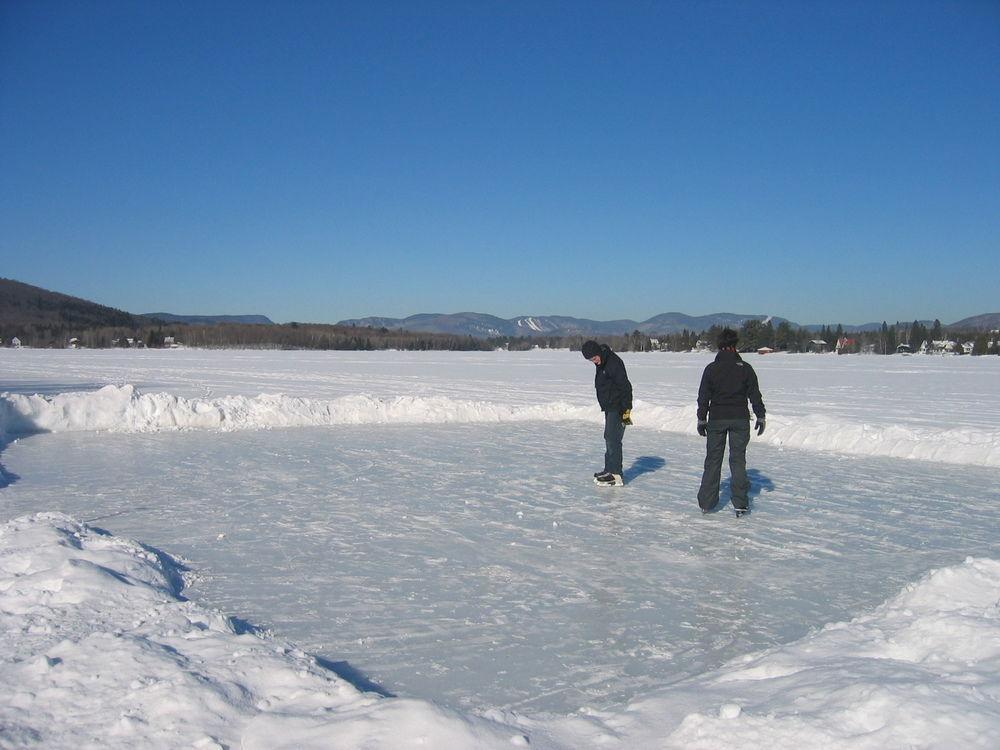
(986, 322)
(210, 320)
(481, 325)
(23, 305)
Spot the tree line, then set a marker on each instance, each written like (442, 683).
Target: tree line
(757, 334)
(246, 336)
(754, 334)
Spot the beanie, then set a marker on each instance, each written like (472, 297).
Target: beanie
(590, 349)
(728, 339)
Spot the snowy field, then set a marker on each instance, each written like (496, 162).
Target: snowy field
(405, 549)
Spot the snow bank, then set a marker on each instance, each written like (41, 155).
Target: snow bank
(124, 409)
(920, 671)
(100, 649)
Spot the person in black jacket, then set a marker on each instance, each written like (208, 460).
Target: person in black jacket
(614, 394)
(726, 386)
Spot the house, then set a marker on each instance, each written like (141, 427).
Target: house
(819, 346)
(968, 347)
(74, 343)
(15, 342)
(938, 347)
(847, 346)
(903, 349)
(765, 350)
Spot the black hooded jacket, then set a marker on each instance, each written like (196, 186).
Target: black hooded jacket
(726, 385)
(614, 391)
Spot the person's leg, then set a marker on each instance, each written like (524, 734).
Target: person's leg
(739, 437)
(708, 493)
(614, 431)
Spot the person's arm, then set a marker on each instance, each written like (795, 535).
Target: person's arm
(624, 386)
(753, 393)
(704, 395)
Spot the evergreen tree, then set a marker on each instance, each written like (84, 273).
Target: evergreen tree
(918, 335)
(784, 337)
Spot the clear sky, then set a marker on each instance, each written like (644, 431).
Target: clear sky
(822, 161)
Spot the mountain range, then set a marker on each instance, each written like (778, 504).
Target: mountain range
(24, 304)
(482, 325)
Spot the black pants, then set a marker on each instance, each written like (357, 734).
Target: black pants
(614, 431)
(738, 431)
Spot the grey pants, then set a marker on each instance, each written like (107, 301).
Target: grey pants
(614, 431)
(738, 431)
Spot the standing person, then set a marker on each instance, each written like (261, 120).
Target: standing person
(614, 394)
(726, 386)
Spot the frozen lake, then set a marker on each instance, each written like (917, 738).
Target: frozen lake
(473, 563)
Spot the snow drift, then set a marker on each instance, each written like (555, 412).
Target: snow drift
(124, 409)
(100, 648)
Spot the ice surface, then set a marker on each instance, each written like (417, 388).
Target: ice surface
(434, 534)
(479, 565)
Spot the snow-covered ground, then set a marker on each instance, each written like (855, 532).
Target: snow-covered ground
(407, 551)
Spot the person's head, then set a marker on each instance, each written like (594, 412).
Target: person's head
(728, 339)
(592, 351)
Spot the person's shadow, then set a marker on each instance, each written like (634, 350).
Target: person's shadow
(643, 465)
(758, 483)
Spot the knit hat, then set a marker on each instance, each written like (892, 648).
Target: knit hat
(590, 349)
(728, 339)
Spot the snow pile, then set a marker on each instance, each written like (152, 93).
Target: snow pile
(954, 446)
(922, 670)
(124, 409)
(99, 648)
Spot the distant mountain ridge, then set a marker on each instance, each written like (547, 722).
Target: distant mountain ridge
(985, 322)
(23, 305)
(26, 305)
(489, 326)
(482, 325)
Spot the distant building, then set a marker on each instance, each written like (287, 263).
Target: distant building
(765, 350)
(940, 347)
(15, 342)
(74, 343)
(819, 346)
(847, 346)
(903, 349)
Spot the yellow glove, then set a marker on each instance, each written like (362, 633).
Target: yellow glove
(627, 417)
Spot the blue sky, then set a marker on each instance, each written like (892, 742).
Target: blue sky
(315, 161)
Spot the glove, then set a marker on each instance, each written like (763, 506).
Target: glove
(627, 417)
(760, 426)
(703, 427)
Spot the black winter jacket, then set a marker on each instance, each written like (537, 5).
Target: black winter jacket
(614, 391)
(726, 385)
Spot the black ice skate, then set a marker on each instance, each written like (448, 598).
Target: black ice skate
(607, 479)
